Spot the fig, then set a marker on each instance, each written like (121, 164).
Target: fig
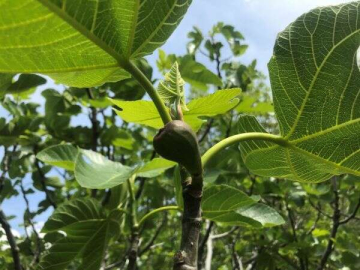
(177, 142)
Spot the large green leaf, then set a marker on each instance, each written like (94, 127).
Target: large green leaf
(231, 206)
(88, 231)
(92, 170)
(83, 43)
(315, 82)
(62, 155)
(144, 112)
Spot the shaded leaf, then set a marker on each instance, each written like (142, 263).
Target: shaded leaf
(88, 231)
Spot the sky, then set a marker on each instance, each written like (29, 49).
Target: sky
(258, 20)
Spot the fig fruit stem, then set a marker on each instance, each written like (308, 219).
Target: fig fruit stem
(149, 88)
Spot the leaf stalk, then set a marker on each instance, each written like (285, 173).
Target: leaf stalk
(240, 138)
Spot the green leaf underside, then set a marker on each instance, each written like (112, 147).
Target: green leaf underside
(87, 230)
(92, 170)
(83, 43)
(315, 82)
(144, 112)
(62, 156)
(230, 206)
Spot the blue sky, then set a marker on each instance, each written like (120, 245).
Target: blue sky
(259, 20)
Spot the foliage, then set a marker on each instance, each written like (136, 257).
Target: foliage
(114, 203)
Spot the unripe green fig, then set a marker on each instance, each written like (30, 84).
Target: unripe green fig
(177, 142)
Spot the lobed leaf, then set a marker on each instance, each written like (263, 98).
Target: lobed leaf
(144, 112)
(315, 77)
(231, 206)
(88, 231)
(83, 43)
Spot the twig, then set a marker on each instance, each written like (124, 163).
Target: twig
(43, 184)
(225, 234)
(141, 188)
(154, 237)
(352, 216)
(207, 130)
(95, 132)
(12, 242)
(37, 253)
(318, 208)
(203, 243)
(293, 227)
(335, 226)
(118, 263)
(209, 253)
(313, 227)
(238, 265)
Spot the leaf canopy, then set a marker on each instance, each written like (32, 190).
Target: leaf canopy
(315, 81)
(83, 43)
(88, 231)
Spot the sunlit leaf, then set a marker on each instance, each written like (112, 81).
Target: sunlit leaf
(145, 113)
(316, 98)
(83, 43)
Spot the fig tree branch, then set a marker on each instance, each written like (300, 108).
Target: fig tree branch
(11, 239)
